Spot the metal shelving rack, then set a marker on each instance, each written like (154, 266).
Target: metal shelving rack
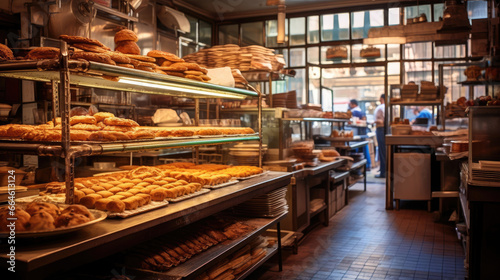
(63, 72)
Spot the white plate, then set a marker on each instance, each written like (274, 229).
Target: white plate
(98, 215)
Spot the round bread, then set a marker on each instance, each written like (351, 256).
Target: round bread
(96, 57)
(117, 206)
(179, 68)
(50, 208)
(80, 39)
(165, 63)
(147, 64)
(135, 62)
(120, 122)
(128, 47)
(6, 53)
(189, 66)
(141, 58)
(82, 119)
(118, 57)
(156, 70)
(125, 35)
(165, 55)
(177, 74)
(43, 53)
(99, 117)
(193, 72)
(70, 219)
(145, 68)
(90, 48)
(41, 220)
(22, 219)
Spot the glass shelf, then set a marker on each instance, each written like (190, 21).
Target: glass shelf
(131, 80)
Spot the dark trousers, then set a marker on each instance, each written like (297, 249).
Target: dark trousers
(381, 149)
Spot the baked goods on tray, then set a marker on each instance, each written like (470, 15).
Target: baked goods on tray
(43, 216)
(5, 53)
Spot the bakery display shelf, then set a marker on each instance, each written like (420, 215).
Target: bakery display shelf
(129, 213)
(417, 102)
(323, 167)
(90, 75)
(55, 149)
(188, 196)
(315, 120)
(110, 236)
(417, 140)
(205, 260)
(218, 186)
(270, 252)
(351, 145)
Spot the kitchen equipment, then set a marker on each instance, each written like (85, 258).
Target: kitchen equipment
(72, 18)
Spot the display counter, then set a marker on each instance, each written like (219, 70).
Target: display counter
(37, 258)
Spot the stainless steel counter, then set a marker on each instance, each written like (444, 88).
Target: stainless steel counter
(45, 256)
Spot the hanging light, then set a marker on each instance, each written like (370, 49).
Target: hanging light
(281, 23)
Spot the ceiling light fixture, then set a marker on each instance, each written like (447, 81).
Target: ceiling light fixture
(281, 23)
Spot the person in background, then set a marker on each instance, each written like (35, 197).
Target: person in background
(357, 112)
(379, 122)
(423, 113)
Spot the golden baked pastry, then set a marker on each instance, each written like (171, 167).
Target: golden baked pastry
(97, 57)
(90, 48)
(147, 64)
(100, 116)
(120, 122)
(43, 53)
(205, 78)
(6, 53)
(111, 78)
(82, 119)
(19, 130)
(156, 70)
(102, 203)
(128, 47)
(172, 73)
(140, 134)
(50, 208)
(84, 126)
(164, 62)
(118, 128)
(78, 209)
(173, 68)
(165, 55)
(141, 58)
(188, 65)
(125, 35)
(193, 77)
(145, 68)
(118, 57)
(193, 72)
(115, 206)
(80, 39)
(77, 196)
(131, 66)
(41, 220)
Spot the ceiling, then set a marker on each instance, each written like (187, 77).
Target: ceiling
(221, 10)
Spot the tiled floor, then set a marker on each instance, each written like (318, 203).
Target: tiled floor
(364, 241)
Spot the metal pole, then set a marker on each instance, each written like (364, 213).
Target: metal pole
(65, 141)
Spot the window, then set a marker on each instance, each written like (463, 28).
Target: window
(205, 31)
(418, 50)
(297, 57)
(313, 29)
(252, 33)
(298, 83)
(438, 12)
(417, 71)
(198, 37)
(394, 16)
(412, 12)
(335, 27)
(361, 22)
(228, 34)
(457, 51)
(297, 31)
(477, 9)
(313, 55)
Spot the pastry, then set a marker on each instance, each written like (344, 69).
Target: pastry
(125, 35)
(84, 126)
(189, 66)
(193, 72)
(130, 203)
(115, 206)
(102, 203)
(141, 58)
(193, 77)
(90, 48)
(96, 57)
(78, 209)
(128, 47)
(19, 130)
(77, 196)
(79, 135)
(120, 122)
(111, 78)
(141, 134)
(22, 219)
(100, 116)
(171, 73)
(131, 66)
(43, 53)
(79, 39)
(89, 200)
(6, 53)
(117, 128)
(178, 68)
(70, 219)
(82, 119)
(158, 194)
(50, 208)
(145, 68)
(118, 57)
(41, 221)
(165, 55)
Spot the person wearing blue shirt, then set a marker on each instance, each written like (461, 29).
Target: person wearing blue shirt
(357, 112)
(424, 113)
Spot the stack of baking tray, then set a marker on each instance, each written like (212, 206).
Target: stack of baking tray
(268, 205)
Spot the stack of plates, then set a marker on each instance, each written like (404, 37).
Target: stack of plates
(246, 154)
(486, 171)
(268, 205)
(291, 100)
(280, 100)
